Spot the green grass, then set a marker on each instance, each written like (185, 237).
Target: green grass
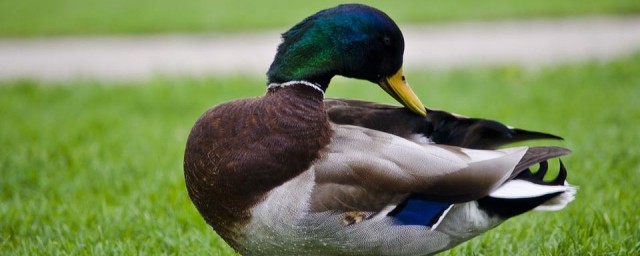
(90, 168)
(23, 18)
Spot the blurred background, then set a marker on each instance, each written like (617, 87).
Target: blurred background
(97, 99)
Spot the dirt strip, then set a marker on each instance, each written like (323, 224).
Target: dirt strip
(531, 43)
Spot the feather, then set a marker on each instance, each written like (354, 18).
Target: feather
(439, 126)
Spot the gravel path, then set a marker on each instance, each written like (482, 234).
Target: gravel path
(532, 43)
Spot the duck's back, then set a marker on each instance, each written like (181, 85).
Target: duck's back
(270, 139)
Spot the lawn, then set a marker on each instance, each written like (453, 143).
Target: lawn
(95, 168)
(27, 18)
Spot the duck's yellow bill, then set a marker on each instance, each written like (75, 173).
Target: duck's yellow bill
(399, 89)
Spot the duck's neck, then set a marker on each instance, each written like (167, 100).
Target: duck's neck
(299, 102)
(295, 114)
(300, 83)
(300, 111)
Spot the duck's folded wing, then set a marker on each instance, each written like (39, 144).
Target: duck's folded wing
(381, 117)
(439, 126)
(361, 165)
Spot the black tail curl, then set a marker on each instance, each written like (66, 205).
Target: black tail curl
(507, 208)
(538, 177)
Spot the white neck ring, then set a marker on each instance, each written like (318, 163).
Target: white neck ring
(290, 83)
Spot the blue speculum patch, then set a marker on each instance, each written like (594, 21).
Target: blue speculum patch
(419, 211)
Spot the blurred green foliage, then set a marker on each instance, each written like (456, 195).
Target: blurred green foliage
(25, 18)
(96, 168)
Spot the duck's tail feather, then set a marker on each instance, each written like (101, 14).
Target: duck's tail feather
(528, 191)
(560, 183)
(537, 155)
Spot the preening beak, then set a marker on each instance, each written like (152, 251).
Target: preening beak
(399, 89)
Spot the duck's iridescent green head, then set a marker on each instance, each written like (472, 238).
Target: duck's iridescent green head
(351, 40)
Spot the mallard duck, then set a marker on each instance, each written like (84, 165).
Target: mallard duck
(274, 176)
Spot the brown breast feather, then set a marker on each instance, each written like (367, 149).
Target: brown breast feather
(239, 151)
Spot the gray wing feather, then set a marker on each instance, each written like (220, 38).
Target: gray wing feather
(365, 169)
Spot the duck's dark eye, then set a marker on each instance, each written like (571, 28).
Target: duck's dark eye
(386, 40)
